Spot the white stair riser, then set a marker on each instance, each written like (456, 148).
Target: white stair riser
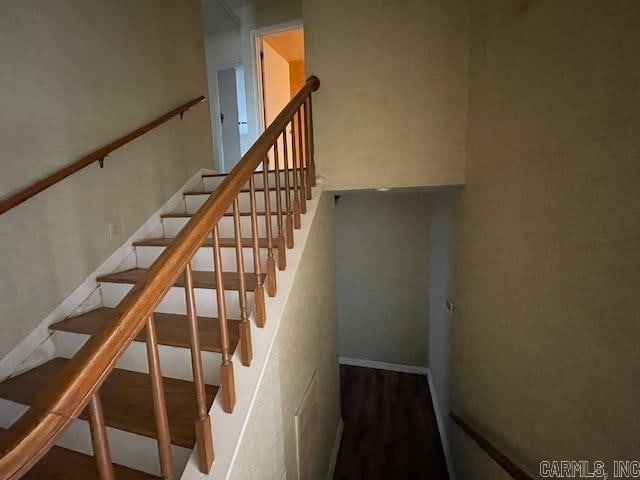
(211, 183)
(128, 449)
(175, 362)
(225, 226)
(194, 202)
(174, 301)
(203, 259)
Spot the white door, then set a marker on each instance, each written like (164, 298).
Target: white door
(228, 93)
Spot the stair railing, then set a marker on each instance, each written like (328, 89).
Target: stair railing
(78, 384)
(510, 467)
(99, 156)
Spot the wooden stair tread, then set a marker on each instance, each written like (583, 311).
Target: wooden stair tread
(126, 398)
(224, 242)
(201, 279)
(171, 329)
(226, 214)
(244, 190)
(62, 464)
(258, 172)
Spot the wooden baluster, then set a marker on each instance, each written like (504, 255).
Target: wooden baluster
(271, 263)
(287, 191)
(159, 405)
(227, 381)
(258, 293)
(305, 192)
(282, 255)
(296, 188)
(99, 439)
(244, 327)
(312, 160)
(204, 436)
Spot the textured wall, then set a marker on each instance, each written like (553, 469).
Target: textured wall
(392, 107)
(440, 244)
(545, 348)
(382, 270)
(305, 342)
(75, 75)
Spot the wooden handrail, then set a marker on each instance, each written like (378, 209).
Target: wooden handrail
(99, 155)
(67, 394)
(500, 458)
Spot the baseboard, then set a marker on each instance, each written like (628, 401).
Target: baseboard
(441, 423)
(37, 347)
(394, 367)
(336, 450)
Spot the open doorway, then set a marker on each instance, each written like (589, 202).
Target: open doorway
(281, 74)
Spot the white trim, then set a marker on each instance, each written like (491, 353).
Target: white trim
(38, 347)
(336, 449)
(394, 367)
(440, 421)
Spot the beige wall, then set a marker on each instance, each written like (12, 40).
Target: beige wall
(391, 109)
(305, 342)
(297, 76)
(277, 88)
(75, 75)
(382, 271)
(545, 336)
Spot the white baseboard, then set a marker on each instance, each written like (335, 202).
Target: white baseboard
(441, 422)
(394, 367)
(37, 347)
(336, 449)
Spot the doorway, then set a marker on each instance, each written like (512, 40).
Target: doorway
(233, 114)
(281, 74)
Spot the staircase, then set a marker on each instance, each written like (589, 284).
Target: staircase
(136, 388)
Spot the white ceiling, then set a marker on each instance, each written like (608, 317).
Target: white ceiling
(289, 44)
(219, 16)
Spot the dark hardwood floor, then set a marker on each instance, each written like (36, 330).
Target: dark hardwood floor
(390, 429)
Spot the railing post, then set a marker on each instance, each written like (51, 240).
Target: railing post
(227, 382)
(312, 160)
(258, 293)
(287, 190)
(99, 439)
(204, 435)
(245, 326)
(303, 184)
(159, 405)
(271, 263)
(282, 251)
(296, 188)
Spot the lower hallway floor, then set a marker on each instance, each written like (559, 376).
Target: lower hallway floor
(390, 428)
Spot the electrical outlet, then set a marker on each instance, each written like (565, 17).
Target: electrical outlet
(114, 230)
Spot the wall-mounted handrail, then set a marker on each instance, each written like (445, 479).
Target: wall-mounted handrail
(99, 155)
(500, 458)
(67, 394)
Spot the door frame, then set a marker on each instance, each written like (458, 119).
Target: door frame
(217, 110)
(256, 62)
